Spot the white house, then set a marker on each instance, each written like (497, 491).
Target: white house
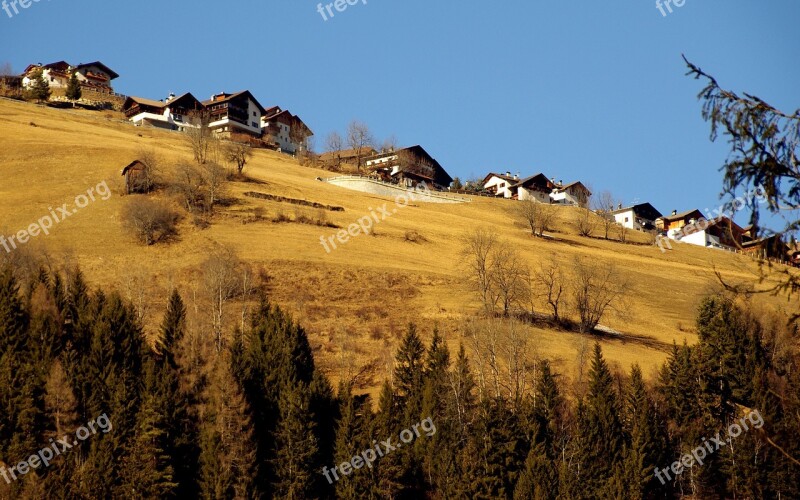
(500, 185)
(536, 187)
(574, 193)
(56, 74)
(641, 217)
(238, 113)
(173, 113)
(94, 75)
(287, 131)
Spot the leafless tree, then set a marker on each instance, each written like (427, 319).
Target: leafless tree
(389, 144)
(510, 277)
(222, 275)
(622, 231)
(200, 137)
(496, 272)
(147, 178)
(359, 138)
(189, 184)
(149, 220)
(238, 153)
(586, 222)
(478, 251)
(539, 217)
(549, 282)
(214, 177)
(604, 205)
(595, 289)
(334, 145)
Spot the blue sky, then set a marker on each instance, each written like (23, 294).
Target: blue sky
(580, 90)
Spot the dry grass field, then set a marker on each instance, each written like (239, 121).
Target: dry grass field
(355, 301)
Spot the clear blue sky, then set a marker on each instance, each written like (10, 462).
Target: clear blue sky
(580, 90)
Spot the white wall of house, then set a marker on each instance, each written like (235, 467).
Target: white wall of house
(501, 186)
(627, 219)
(253, 121)
(54, 81)
(567, 197)
(166, 119)
(530, 194)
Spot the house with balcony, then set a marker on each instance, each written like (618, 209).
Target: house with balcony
(574, 193)
(285, 131)
(234, 114)
(500, 184)
(641, 217)
(172, 113)
(56, 74)
(536, 187)
(409, 167)
(96, 75)
(692, 227)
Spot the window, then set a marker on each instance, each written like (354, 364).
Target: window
(626, 219)
(254, 113)
(255, 124)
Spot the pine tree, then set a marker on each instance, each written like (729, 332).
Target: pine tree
(600, 427)
(409, 373)
(39, 89)
(296, 445)
(352, 437)
(73, 92)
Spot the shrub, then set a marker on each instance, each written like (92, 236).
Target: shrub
(149, 220)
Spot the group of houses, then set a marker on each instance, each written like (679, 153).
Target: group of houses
(234, 116)
(94, 76)
(240, 116)
(538, 188)
(690, 227)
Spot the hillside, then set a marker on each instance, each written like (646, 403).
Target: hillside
(356, 300)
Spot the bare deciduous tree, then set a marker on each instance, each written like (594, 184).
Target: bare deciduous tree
(189, 184)
(334, 145)
(214, 177)
(238, 153)
(595, 289)
(549, 281)
(478, 252)
(149, 220)
(586, 222)
(539, 217)
(604, 205)
(200, 137)
(510, 277)
(496, 272)
(146, 178)
(359, 138)
(222, 274)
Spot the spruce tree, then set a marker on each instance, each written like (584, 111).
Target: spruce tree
(39, 88)
(600, 427)
(296, 445)
(73, 92)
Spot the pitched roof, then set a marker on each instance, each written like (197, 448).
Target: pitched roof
(527, 181)
(682, 215)
(144, 101)
(111, 73)
(576, 183)
(229, 97)
(508, 178)
(640, 208)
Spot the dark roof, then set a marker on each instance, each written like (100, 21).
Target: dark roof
(111, 73)
(534, 180)
(131, 165)
(229, 97)
(575, 184)
(193, 101)
(644, 209)
(682, 215)
(508, 178)
(144, 101)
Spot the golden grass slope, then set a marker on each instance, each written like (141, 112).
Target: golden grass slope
(356, 300)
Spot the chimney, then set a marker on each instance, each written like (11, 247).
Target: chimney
(516, 176)
(619, 206)
(508, 173)
(170, 97)
(674, 212)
